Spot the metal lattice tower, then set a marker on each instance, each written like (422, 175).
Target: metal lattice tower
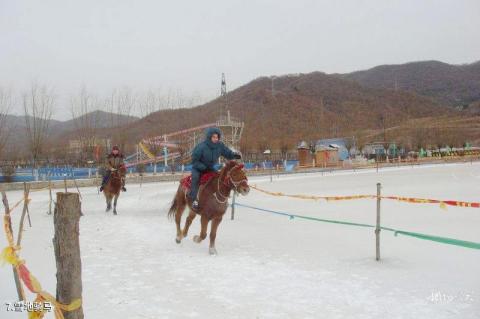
(232, 128)
(223, 95)
(181, 143)
(223, 91)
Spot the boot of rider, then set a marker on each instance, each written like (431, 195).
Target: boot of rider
(194, 189)
(104, 182)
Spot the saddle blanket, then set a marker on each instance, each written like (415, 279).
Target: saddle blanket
(186, 182)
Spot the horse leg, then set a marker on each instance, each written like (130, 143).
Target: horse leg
(213, 235)
(188, 222)
(178, 221)
(203, 231)
(115, 204)
(108, 199)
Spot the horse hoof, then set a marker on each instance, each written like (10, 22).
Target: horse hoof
(177, 240)
(212, 251)
(114, 212)
(197, 239)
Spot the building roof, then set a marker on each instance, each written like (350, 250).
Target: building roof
(303, 145)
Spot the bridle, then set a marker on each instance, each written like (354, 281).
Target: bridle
(116, 174)
(228, 181)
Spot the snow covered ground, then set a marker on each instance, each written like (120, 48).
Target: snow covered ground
(269, 266)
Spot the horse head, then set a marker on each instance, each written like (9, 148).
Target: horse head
(115, 180)
(237, 177)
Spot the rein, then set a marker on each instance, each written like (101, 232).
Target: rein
(115, 176)
(226, 182)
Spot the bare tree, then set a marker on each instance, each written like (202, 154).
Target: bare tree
(5, 105)
(148, 102)
(85, 118)
(38, 106)
(284, 147)
(120, 105)
(349, 144)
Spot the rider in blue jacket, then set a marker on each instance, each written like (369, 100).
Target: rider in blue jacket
(204, 157)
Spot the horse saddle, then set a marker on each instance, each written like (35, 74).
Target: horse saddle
(186, 182)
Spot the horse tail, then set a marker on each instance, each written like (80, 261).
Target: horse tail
(175, 203)
(173, 208)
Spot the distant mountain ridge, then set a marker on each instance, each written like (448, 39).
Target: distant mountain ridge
(452, 85)
(98, 119)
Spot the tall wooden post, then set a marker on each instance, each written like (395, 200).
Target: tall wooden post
(66, 244)
(51, 199)
(377, 227)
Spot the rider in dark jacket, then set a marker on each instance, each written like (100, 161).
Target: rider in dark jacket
(204, 157)
(113, 161)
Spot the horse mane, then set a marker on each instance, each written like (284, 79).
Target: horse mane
(221, 175)
(228, 167)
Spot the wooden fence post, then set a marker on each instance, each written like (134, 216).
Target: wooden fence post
(25, 196)
(377, 227)
(233, 205)
(78, 190)
(20, 292)
(24, 212)
(66, 244)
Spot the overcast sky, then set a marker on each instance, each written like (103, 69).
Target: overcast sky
(186, 45)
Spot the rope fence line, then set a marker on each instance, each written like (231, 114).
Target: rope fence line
(439, 239)
(11, 256)
(443, 203)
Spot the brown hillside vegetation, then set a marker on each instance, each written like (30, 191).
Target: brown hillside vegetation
(305, 106)
(430, 132)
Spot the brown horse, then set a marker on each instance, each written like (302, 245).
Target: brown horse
(213, 202)
(113, 187)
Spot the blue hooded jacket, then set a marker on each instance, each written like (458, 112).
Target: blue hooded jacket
(205, 155)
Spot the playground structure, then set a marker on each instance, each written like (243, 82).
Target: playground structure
(177, 147)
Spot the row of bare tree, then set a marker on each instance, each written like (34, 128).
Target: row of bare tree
(119, 109)
(37, 105)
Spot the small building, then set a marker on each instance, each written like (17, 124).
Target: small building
(339, 143)
(305, 156)
(326, 155)
(374, 150)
